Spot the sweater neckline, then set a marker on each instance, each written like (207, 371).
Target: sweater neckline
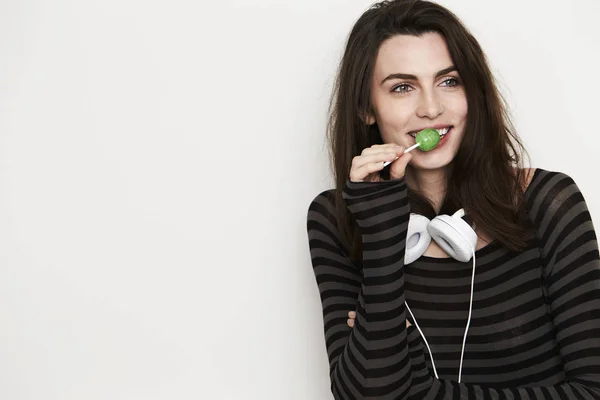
(488, 248)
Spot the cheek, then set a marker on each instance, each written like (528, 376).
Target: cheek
(392, 114)
(459, 106)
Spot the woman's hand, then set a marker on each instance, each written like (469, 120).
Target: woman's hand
(366, 167)
(352, 317)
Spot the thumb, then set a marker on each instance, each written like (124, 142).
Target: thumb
(398, 167)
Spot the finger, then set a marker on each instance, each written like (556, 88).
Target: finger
(387, 155)
(408, 323)
(352, 314)
(365, 165)
(351, 323)
(378, 148)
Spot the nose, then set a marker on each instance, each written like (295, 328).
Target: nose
(430, 105)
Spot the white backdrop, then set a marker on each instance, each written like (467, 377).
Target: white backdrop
(157, 159)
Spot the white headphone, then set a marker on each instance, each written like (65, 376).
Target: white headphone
(457, 238)
(451, 233)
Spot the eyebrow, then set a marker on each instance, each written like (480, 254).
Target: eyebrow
(414, 77)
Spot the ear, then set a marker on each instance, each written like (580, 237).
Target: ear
(369, 118)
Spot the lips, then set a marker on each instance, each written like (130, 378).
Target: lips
(442, 131)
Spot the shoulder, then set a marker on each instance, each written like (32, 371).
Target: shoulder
(551, 191)
(323, 204)
(322, 211)
(547, 183)
(322, 224)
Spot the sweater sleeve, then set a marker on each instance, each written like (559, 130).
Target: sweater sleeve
(571, 271)
(370, 361)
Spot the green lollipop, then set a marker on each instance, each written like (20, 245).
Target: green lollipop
(428, 139)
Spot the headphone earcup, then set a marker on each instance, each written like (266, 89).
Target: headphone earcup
(454, 235)
(417, 238)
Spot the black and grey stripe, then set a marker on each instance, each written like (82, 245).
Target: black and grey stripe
(535, 329)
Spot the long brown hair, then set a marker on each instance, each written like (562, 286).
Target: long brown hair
(486, 176)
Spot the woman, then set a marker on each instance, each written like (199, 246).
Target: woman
(521, 317)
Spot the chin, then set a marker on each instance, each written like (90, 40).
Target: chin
(431, 161)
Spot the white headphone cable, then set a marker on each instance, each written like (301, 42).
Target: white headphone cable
(462, 353)
(424, 339)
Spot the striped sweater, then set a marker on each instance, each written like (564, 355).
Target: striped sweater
(535, 328)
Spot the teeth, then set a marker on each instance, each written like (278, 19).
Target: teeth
(442, 132)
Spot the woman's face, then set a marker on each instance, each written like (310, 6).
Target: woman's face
(415, 86)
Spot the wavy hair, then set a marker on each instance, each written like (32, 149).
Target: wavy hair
(486, 176)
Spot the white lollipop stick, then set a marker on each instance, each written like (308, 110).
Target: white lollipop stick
(414, 146)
